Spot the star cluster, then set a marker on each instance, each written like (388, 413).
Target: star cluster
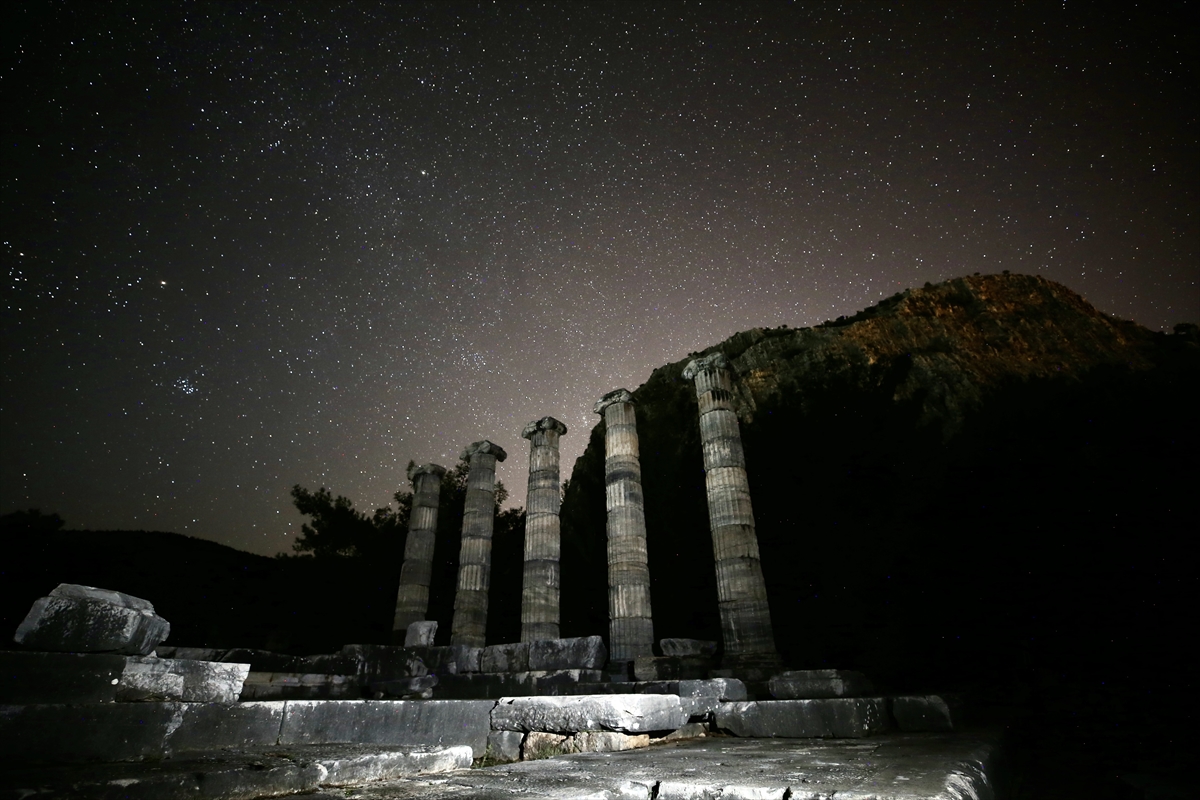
(249, 245)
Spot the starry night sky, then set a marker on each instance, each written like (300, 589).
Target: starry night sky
(249, 245)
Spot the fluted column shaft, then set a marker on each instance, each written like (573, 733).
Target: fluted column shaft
(741, 590)
(631, 627)
(540, 591)
(412, 599)
(475, 557)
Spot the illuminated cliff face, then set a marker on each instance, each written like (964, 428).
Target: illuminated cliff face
(951, 342)
(999, 419)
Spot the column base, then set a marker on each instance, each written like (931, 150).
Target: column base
(750, 667)
(619, 672)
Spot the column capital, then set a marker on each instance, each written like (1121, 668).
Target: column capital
(615, 396)
(715, 360)
(426, 469)
(543, 424)
(486, 447)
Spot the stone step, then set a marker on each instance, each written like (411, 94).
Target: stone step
(233, 775)
(834, 718)
(494, 685)
(806, 684)
(698, 698)
(299, 686)
(622, 713)
(58, 733)
(30, 677)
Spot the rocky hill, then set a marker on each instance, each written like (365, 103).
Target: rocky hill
(968, 482)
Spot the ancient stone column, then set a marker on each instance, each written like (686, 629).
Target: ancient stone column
(631, 629)
(475, 557)
(539, 595)
(412, 600)
(741, 591)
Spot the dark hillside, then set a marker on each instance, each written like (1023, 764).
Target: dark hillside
(985, 485)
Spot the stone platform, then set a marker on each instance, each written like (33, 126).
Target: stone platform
(245, 774)
(889, 767)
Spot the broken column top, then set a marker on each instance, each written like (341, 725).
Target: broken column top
(615, 396)
(543, 424)
(714, 360)
(486, 447)
(79, 592)
(426, 469)
(84, 619)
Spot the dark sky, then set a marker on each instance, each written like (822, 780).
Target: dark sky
(252, 245)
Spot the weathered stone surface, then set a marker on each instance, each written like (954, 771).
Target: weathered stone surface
(210, 726)
(840, 718)
(467, 658)
(148, 683)
(377, 662)
(39, 678)
(405, 688)
(298, 686)
(84, 619)
(494, 685)
(607, 741)
(541, 577)
(584, 652)
(810, 683)
(538, 744)
(670, 668)
(440, 723)
(421, 634)
(162, 679)
(55, 733)
(505, 658)
(691, 730)
(926, 712)
(475, 556)
(352, 770)
(702, 697)
(741, 590)
(438, 660)
(631, 627)
(205, 777)
(412, 596)
(688, 647)
(504, 747)
(619, 712)
(697, 698)
(891, 768)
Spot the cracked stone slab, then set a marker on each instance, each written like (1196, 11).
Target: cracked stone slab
(625, 713)
(894, 767)
(233, 775)
(162, 679)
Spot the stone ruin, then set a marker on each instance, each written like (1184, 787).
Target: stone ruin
(96, 685)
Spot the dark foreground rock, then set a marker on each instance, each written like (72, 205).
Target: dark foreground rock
(84, 619)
